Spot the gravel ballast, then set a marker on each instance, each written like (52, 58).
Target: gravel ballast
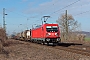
(32, 51)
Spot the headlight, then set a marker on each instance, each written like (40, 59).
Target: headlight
(48, 34)
(47, 39)
(56, 34)
(58, 39)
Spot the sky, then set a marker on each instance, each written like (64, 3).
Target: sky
(22, 14)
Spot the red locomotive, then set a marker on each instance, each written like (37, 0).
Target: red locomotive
(46, 33)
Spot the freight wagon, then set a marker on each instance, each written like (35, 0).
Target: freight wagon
(18, 36)
(24, 35)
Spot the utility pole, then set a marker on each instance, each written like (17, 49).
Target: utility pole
(66, 26)
(66, 23)
(4, 25)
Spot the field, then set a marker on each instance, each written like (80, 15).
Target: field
(87, 39)
(20, 50)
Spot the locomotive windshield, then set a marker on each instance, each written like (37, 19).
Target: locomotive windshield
(52, 28)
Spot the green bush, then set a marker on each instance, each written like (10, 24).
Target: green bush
(87, 39)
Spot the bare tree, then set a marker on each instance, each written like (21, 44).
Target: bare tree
(2, 38)
(68, 25)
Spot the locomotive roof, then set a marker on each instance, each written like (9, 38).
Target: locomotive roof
(50, 24)
(38, 26)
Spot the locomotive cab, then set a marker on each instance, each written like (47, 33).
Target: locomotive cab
(52, 34)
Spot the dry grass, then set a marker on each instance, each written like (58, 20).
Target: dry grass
(73, 36)
(20, 50)
(2, 39)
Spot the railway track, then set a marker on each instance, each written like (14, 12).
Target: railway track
(83, 47)
(74, 50)
(78, 49)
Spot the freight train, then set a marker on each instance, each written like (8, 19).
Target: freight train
(46, 33)
(24, 35)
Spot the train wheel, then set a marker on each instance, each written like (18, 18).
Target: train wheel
(38, 41)
(43, 43)
(47, 43)
(54, 44)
